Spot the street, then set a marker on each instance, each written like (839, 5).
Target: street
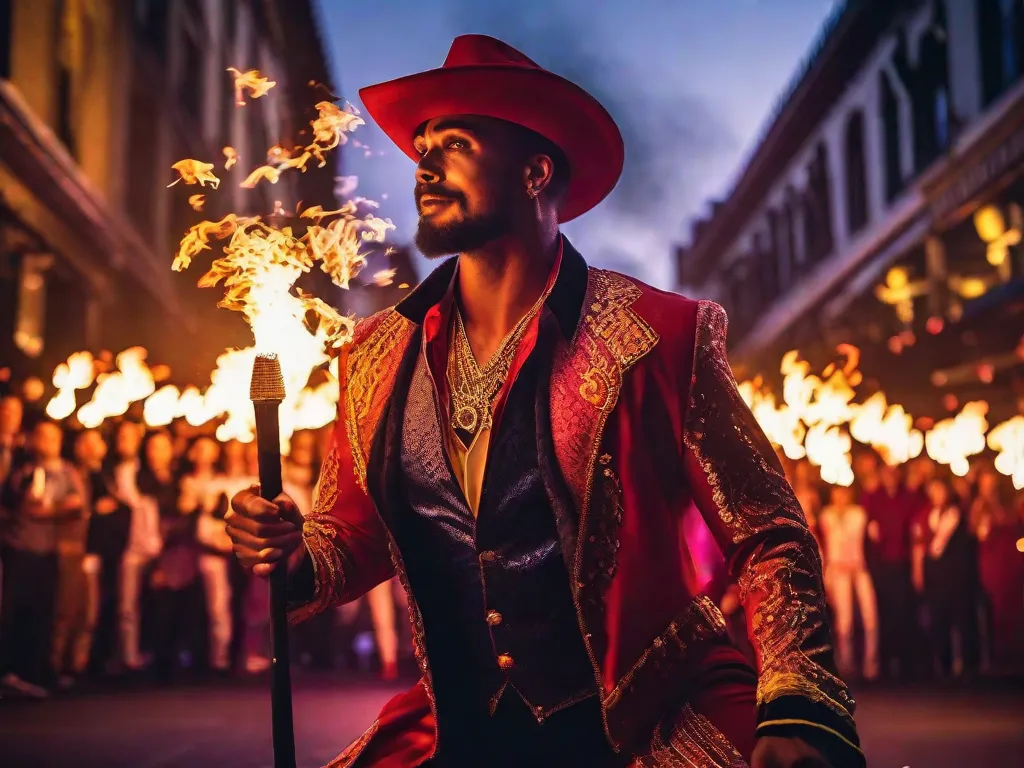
(229, 725)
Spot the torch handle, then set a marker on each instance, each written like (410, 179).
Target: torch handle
(268, 443)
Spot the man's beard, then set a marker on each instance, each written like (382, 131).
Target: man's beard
(467, 234)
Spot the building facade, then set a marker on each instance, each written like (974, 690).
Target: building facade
(882, 206)
(97, 101)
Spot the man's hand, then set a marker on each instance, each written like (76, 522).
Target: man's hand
(780, 752)
(263, 533)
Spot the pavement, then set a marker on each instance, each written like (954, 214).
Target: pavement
(228, 724)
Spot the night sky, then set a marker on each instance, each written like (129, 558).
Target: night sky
(690, 83)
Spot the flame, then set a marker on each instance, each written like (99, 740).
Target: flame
(250, 81)
(197, 202)
(117, 390)
(161, 408)
(195, 172)
(887, 429)
(77, 373)
(953, 441)
(1007, 440)
(259, 268)
(231, 157)
(828, 447)
(330, 129)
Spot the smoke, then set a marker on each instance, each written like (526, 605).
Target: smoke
(673, 138)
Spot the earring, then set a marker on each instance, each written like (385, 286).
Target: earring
(531, 191)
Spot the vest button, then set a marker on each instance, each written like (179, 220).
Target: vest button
(487, 556)
(493, 618)
(506, 662)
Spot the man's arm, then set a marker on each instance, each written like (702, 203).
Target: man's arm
(740, 488)
(346, 550)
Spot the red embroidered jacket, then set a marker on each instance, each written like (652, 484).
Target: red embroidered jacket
(646, 419)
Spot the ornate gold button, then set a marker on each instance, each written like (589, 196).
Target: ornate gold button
(506, 662)
(493, 618)
(487, 555)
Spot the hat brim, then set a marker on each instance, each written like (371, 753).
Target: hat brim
(552, 106)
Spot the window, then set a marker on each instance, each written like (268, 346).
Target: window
(928, 85)
(151, 19)
(999, 44)
(779, 248)
(63, 116)
(6, 36)
(890, 137)
(856, 173)
(768, 268)
(819, 201)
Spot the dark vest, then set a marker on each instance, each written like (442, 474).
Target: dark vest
(494, 592)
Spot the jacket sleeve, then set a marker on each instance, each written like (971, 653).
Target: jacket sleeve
(348, 547)
(740, 488)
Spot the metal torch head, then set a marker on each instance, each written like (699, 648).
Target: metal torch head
(267, 383)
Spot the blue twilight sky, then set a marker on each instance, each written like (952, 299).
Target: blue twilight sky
(689, 82)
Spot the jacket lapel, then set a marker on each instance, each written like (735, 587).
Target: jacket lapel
(370, 372)
(586, 382)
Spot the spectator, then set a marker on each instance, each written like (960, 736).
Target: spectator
(41, 493)
(203, 488)
(70, 619)
(109, 522)
(941, 553)
(1001, 569)
(12, 442)
(175, 568)
(890, 510)
(144, 540)
(843, 528)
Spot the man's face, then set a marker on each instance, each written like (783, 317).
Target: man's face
(90, 448)
(160, 450)
(46, 441)
(128, 440)
(469, 185)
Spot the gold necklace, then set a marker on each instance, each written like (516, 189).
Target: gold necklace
(474, 389)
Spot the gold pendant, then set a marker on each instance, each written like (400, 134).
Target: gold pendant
(467, 418)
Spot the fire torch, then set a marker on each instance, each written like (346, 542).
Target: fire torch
(266, 390)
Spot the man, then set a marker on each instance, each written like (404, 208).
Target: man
(519, 440)
(891, 509)
(41, 494)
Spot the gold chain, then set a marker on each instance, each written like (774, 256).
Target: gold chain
(474, 389)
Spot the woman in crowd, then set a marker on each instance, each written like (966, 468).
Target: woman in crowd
(1001, 570)
(175, 568)
(941, 553)
(202, 490)
(143, 540)
(844, 528)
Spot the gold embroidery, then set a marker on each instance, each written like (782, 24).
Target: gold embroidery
(370, 373)
(325, 493)
(348, 758)
(780, 581)
(700, 622)
(585, 384)
(689, 740)
(318, 535)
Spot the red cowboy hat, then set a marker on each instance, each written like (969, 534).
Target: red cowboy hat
(484, 76)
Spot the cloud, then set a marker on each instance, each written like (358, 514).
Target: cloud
(673, 138)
